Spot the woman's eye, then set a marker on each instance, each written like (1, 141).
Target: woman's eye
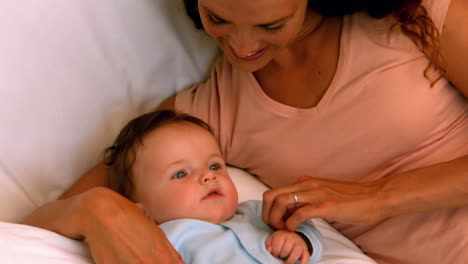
(274, 29)
(215, 167)
(179, 175)
(215, 20)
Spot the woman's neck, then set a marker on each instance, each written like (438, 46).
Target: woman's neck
(306, 68)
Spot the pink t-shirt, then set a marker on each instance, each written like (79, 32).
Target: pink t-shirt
(380, 115)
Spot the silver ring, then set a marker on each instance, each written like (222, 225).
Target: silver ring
(296, 200)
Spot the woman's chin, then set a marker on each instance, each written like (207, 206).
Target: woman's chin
(246, 66)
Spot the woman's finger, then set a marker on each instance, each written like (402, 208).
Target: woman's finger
(304, 178)
(285, 205)
(282, 207)
(270, 198)
(302, 214)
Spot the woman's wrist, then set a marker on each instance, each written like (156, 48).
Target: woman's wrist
(440, 186)
(389, 197)
(61, 216)
(94, 209)
(403, 193)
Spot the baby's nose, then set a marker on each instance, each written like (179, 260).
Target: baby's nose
(209, 176)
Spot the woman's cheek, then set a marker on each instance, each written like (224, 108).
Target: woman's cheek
(282, 40)
(216, 33)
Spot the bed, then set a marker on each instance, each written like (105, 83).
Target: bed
(72, 74)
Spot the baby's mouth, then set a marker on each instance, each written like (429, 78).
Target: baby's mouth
(212, 195)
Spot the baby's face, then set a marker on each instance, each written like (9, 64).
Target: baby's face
(179, 173)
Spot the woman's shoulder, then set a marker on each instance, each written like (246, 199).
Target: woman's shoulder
(225, 78)
(222, 66)
(364, 31)
(437, 10)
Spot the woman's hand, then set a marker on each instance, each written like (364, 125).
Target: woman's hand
(344, 202)
(118, 231)
(413, 191)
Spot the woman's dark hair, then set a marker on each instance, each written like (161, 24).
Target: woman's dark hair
(121, 156)
(410, 15)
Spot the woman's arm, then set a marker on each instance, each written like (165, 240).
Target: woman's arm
(116, 230)
(168, 104)
(96, 177)
(440, 186)
(454, 44)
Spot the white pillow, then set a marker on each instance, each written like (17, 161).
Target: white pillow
(72, 74)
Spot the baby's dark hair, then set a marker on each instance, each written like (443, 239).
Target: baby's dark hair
(121, 156)
(410, 15)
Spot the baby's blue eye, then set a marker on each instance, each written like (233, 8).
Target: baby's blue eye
(179, 175)
(215, 167)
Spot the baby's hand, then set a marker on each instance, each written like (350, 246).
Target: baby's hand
(287, 245)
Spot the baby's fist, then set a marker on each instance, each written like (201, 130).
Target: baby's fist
(287, 245)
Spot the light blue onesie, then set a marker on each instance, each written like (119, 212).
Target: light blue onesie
(238, 240)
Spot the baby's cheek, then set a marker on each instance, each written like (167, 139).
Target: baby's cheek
(159, 218)
(234, 199)
(163, 211)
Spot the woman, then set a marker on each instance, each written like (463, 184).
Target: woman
(352, 111)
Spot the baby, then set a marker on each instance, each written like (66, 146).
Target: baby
(170, 164)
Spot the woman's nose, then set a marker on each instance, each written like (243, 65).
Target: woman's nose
(243, 43)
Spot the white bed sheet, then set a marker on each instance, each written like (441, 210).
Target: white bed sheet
(20, 244)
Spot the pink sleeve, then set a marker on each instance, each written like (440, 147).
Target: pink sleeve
(203, 100)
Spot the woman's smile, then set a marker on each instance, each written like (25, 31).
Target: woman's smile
(251, 56)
